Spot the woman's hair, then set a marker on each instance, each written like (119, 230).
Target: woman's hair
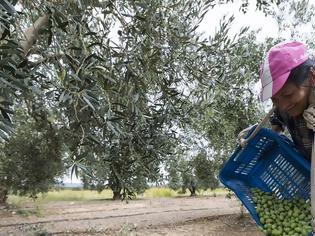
(300, 73)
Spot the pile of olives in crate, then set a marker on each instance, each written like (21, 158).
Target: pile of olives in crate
(281, 216)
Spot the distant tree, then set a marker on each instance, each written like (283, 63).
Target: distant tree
(231, 104)
(195, 173)
(123, 178)
(174, 177)
(31, 161)
(189, 180)
(206, 171)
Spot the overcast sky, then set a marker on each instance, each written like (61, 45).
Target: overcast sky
(254, 19)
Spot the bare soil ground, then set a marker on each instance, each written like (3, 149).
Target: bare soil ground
(167, 216)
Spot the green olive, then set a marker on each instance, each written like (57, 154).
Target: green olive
(282, 216)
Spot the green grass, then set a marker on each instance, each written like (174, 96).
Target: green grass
(215, 192)
(166, 192)
(159, 192)
(28, 212)
(87, 195)
(62, 195)
(76, 195)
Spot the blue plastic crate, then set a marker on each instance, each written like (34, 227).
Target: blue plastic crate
(271, 163)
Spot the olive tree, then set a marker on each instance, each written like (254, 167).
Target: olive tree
(119, 78)
(31, 161)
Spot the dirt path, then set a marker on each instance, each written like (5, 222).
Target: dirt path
(168, 216)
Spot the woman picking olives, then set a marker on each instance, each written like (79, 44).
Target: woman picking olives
(288, 78)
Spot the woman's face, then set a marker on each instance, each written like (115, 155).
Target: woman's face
(292, 99)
